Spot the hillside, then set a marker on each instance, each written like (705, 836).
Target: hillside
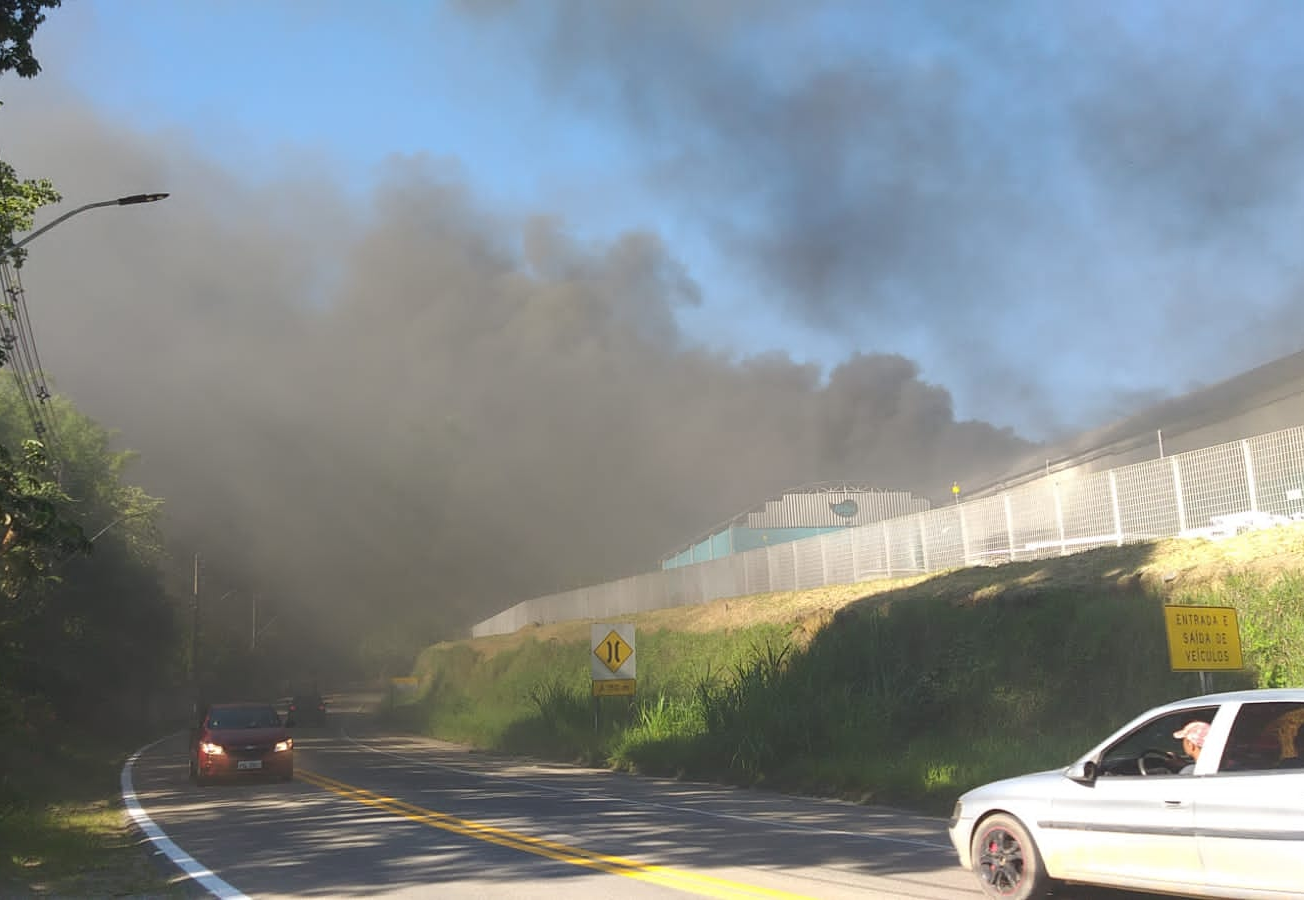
(904, 691)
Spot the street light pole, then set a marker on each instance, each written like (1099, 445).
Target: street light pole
(130, 200)
(194, 638)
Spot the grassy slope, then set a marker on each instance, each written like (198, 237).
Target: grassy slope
(63, 829)
(905, 692)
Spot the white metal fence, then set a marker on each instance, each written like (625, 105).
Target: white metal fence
(1183, 494)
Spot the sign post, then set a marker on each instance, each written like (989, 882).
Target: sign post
(1203, 639)
(611, 663)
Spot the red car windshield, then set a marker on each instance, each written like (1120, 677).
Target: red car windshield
(244, 717)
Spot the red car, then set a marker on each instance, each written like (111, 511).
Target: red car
(239, 740)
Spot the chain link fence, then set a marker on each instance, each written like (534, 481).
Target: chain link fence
(1217, 490)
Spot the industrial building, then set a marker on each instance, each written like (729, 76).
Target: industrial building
(796, 514)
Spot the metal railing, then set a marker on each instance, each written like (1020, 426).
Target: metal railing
(1067, 512)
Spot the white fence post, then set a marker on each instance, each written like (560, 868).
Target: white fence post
(887, 550)
(855, 563)
(1009, 526)
(1249, 476)
(923, 543)
(1059, 518)
(1181, 503)
(1113, 499)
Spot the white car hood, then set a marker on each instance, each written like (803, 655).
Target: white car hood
(1037, 787)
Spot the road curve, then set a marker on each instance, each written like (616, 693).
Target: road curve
(400, 816)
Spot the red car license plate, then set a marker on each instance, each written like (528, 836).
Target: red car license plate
(249, 764)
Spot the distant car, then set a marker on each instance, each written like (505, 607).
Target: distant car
(1122, 815)
(308, 710)
(240, 740)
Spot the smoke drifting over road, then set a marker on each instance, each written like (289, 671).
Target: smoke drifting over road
(407, 398)
(411, 402)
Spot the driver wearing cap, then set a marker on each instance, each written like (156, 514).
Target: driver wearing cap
(1192, 735)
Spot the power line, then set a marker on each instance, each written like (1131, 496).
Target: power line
(23, 359)
(16, 338)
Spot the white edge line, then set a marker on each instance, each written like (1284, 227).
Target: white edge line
(180, 858)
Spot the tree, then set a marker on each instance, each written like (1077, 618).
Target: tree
(18, 22)
(31, 527)
(82, 635)
(19, 201)
(31, 520)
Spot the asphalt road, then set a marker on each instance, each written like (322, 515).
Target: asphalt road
(398, 816)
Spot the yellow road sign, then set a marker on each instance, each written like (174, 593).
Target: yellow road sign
(612, 663)
(614, 687)
(613, 652)
(1203, 638)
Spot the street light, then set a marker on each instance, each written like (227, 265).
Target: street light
(132, 515)
(130, 200)
(254, 630)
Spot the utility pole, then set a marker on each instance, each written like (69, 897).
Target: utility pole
(194, 633)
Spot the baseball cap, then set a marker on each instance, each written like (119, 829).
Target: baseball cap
(1196, 732)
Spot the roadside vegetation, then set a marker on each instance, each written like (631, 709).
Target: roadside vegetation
(898, 692)
(79, 684)
(64, 832)
(79, 587)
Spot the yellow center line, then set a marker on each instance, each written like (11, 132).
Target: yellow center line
(703, 885)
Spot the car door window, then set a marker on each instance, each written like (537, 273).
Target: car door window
(1152, 744)
(1266, 737)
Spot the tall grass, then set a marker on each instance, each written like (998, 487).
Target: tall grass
(1271, 615)
(909, 701)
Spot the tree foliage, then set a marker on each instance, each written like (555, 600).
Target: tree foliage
(84, 636)
(19, 201)
(18, 22)
(33, 524)
(19, 198)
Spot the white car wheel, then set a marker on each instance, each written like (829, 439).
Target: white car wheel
(1006, 860)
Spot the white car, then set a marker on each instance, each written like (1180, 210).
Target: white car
(1122, 815)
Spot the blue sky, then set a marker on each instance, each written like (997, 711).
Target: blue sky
(252, 81)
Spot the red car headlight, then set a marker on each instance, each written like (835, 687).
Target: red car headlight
(282, 746)
(211, 749)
